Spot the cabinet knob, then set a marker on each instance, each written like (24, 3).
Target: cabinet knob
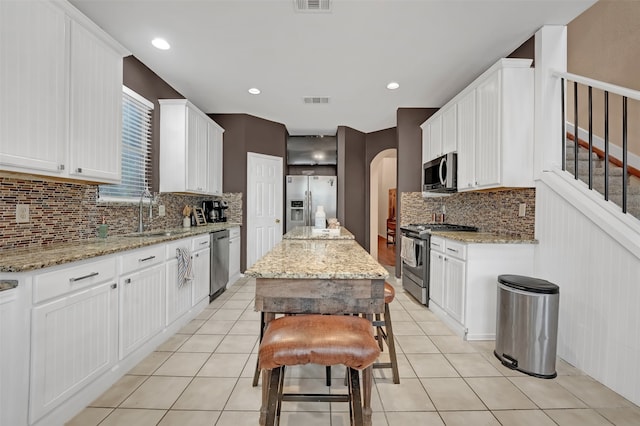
(114, 286)
(60, 166)
(79, 170)
(127, 281)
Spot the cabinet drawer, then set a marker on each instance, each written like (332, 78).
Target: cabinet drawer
(175, 245)
(201, 243)
(234, 232)
(61, 281)
(456, 249)
(142, 258)
(437, 243)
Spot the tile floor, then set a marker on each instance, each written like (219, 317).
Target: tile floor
(202, 376)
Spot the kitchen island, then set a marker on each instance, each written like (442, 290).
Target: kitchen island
(319, 276)
(310, 233)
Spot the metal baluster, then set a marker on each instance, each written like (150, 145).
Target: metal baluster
(606, 145)
(575, 129)
(590, 137)
(624, 154)
(563, 127)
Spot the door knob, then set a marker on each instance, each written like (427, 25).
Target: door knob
(277, 220)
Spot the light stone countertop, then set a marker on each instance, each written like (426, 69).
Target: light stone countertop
(321, 259)
(307, 233)
(31, 258)
(482, 237)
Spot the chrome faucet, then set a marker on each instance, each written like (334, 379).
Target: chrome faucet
(144, 194)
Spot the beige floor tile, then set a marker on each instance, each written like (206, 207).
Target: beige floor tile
(313, 418)
(421, 418)
(201, 343)
(563, 368)
(405, 369)
(182, 364)
(415, 345)
(238, 418)
(151, 363)
(377, 419)
(205, 393)
(582, 417)
(452, 394)
(523, 418)
(498, 393)
(431, 365)
(484, 346)
(157, 393)
(119, 391)
(505, 371)
(129, 417)
(452, 345)
(173, 343)
(189, 418)
(226, 315)
(224, 365)
(245, 397)
(472, 365)
(237, 344)
(593, 393)
(233, 303)
(421, 314)
(409, 395)
(305, 385)
(245, 327)
(546, 393)
(250, 315)
(625, 416)
(469, 418)
(250, 366)
(406, 328)
(216, 327)
(205, 314)
(191, 327)
(243, 295)
(435, 328)
(90, 416)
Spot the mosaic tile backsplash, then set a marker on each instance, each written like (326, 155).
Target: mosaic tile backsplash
(491, 211)
(63, 212)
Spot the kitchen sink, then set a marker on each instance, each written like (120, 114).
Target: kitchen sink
(155, 234)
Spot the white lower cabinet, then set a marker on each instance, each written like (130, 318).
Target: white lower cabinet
(179, 294)
(463, 282)
(201, 271)
(234, 255)
(73, 336)
(142, 307)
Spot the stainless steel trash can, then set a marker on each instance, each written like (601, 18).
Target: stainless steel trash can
(527, 325)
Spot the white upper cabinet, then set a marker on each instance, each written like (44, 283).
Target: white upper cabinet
(61, 86)
(190, 149)
(490, 125)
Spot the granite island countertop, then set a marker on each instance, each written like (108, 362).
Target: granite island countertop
(321, 259)
(483, 237)
(31, 258)
(308, 233)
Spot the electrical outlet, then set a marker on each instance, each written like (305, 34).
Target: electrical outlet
(161, 210)
(22, 213)
(522, 210)
(444, 210)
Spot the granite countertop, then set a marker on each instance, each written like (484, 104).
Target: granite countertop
(483, 237)
(307, 233)
(30, 258)
(322, 259)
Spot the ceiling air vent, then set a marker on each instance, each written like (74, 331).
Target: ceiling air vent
(312, 5)
(316, 100)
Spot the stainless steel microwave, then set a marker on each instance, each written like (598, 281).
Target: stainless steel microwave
(440, 175)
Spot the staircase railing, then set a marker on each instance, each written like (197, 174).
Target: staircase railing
(627, 94)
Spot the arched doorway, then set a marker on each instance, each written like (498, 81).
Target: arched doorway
(382, 177)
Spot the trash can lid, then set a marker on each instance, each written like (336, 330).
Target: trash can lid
(534, 285)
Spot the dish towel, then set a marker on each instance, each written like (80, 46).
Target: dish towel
(185, 272)
(408, 251)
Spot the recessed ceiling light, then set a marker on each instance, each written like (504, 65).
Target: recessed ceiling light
(254, 91)
(161, 43)
(393, 85)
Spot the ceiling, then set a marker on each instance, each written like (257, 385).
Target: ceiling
(221, 48)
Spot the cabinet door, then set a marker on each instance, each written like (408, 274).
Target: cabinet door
(234, 259)
(32, 86)
(73, 341)
(179, 295)
(435, 133)
(215, 159)
(142, 302)
(489, 138)
(466, 141)
(454, 297)
(436, 277)
(426, 144)
(95, 108)
(197, 152)
(449, 131)
(201, 275)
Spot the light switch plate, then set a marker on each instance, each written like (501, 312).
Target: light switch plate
(522, 211)
(161, 210)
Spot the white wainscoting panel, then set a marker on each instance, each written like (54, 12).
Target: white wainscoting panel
(599, 277)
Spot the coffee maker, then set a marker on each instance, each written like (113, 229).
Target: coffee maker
(218, 208)
(209, 213)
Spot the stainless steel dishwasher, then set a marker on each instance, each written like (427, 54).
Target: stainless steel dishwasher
(219, 263)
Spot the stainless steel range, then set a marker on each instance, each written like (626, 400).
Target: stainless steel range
(415, 246)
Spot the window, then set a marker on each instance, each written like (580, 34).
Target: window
(136, 150)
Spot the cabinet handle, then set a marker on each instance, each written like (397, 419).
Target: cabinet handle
(79, 170)
(435, 245)
(198, 255)
(114, 286)
(127, 281)
(446, 259)
(146, 258)
(450, 249)
(93, 274)
(60, 166)
(204, 242)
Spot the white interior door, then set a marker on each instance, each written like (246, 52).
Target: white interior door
(264, 204)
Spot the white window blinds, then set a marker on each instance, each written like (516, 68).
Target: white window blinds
(136, 149)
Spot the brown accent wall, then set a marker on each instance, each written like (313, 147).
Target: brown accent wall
(351, 181)
(527, 50)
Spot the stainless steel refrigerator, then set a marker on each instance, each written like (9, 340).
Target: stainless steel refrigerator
(304, 194)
